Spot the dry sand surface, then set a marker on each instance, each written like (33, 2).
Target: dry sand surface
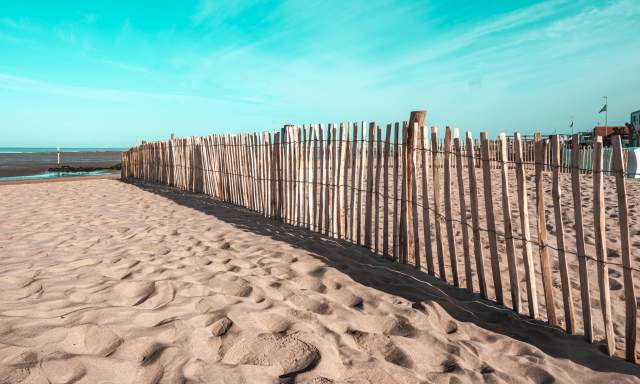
(107, 282)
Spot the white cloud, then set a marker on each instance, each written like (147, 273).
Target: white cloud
(26, 84)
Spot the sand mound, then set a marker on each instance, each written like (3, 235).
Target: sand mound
(221, 326)
(304, 301)
(131, 293)
(284, 353)
(381, 345)
(63, 371)
(271, 322)
(137, 350)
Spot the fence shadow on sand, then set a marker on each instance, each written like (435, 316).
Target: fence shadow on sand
(405, 281)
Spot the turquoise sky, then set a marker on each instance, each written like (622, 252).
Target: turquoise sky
(90, 73)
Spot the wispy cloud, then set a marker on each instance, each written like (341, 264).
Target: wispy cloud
(26, 84)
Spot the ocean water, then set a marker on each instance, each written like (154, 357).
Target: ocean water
(54, 149)
(26, 163)
(53, 175)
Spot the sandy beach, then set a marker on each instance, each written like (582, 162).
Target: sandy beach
(107, 282)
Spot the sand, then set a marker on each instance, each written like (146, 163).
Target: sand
(107, 282)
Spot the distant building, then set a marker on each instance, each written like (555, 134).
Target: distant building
(635, 119)
(610, 130)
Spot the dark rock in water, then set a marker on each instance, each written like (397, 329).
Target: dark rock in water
(68, 168)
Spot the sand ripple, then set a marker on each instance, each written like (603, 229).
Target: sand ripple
(112, 284)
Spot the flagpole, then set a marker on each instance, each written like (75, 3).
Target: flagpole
(606, 115)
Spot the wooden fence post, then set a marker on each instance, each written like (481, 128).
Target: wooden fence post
(463, 212)
(543, 252)
(631, 308)
(426, 217)
(453, 258)
(396, 217)
(358, 206)
(385, 189)
(354, 166)
(327, 180)
(344, 137)
(601, 246)
(473, 198)
(369, 186)
(491, 223)
(582, 260)
(403, 239)
(376, 192)
(532, 295)
(567, 296)
(514, 280)
(436, 202)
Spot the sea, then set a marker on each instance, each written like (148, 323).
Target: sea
(62, 149)
(29, 163)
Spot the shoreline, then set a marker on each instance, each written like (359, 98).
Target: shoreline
(26, 164)
(114, 176)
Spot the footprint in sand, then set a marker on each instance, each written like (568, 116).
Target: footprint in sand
(89, 339)
(271, 322)
(384, 325)
(17, 287)
(117, 271)
(63, 370)
(305, 301)
(11, 375)
(109, 370)
(138, 350)
(130, 293)
(18, 357)
(162, 295)
(311, 268)
(205, 346)
(238, 287)
(286, 354)
(345, 297)
(381, 345)
(309, 283)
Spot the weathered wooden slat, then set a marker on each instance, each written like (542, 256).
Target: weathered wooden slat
(490, 216)
(369, 186)
(463, 212)
(358, 206)
(426, 217)
(385, 190)
(403, 241)
(631, 308)
(396, 216)
(601, 246)
(529, 271)
(321, 184)
(435, 165)
(543, 250)
(354, 172)
(473, 199)
(413, 219)
(376, 192)
(582, 260)
(514, 280)
(416, 120)
(327, 181)
(451, 240)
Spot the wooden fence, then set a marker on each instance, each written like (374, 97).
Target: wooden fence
(386, 189)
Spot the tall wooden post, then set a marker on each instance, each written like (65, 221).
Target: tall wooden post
(416, 119)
